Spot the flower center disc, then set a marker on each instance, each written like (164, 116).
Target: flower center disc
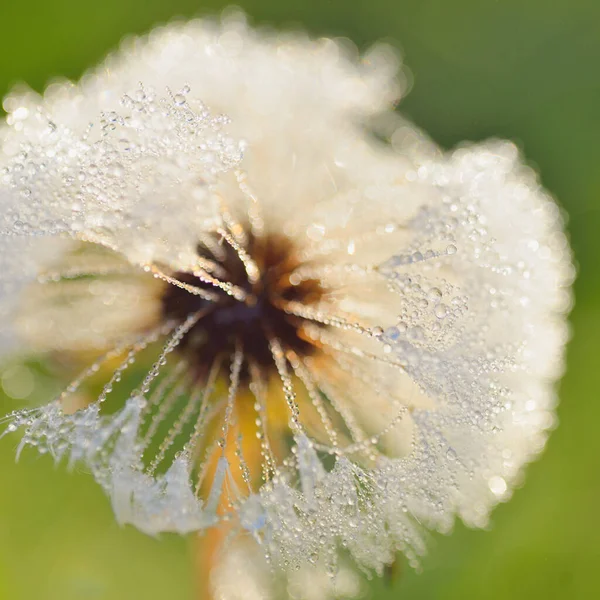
(228, 323)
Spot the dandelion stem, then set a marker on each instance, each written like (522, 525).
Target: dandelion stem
(300, 310)
(315, 397)
(286, 380)
(356, 433)
(331, 344)
(171, 344)
(192, 289)
(234, 382)
(201, 421)
(251, 268)
(257, 388)
(164, 409)
(159, 392)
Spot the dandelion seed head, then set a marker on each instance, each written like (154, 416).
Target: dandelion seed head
(342, 342)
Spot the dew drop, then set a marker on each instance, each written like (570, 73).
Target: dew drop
(435, 294)
(440, 311)
(392, 333)
(497, 485)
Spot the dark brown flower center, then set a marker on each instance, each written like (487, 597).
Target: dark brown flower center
(228, 323)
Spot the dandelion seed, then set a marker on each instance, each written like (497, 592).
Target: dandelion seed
(340, 342)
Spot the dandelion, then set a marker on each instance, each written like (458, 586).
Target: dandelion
(292, 334)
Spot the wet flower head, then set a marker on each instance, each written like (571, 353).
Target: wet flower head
(288, 330)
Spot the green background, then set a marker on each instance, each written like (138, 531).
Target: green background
(523, 69)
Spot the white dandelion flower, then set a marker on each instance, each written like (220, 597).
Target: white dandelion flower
(347, 345)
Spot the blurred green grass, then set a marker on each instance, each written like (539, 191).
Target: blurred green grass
(506, 68)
